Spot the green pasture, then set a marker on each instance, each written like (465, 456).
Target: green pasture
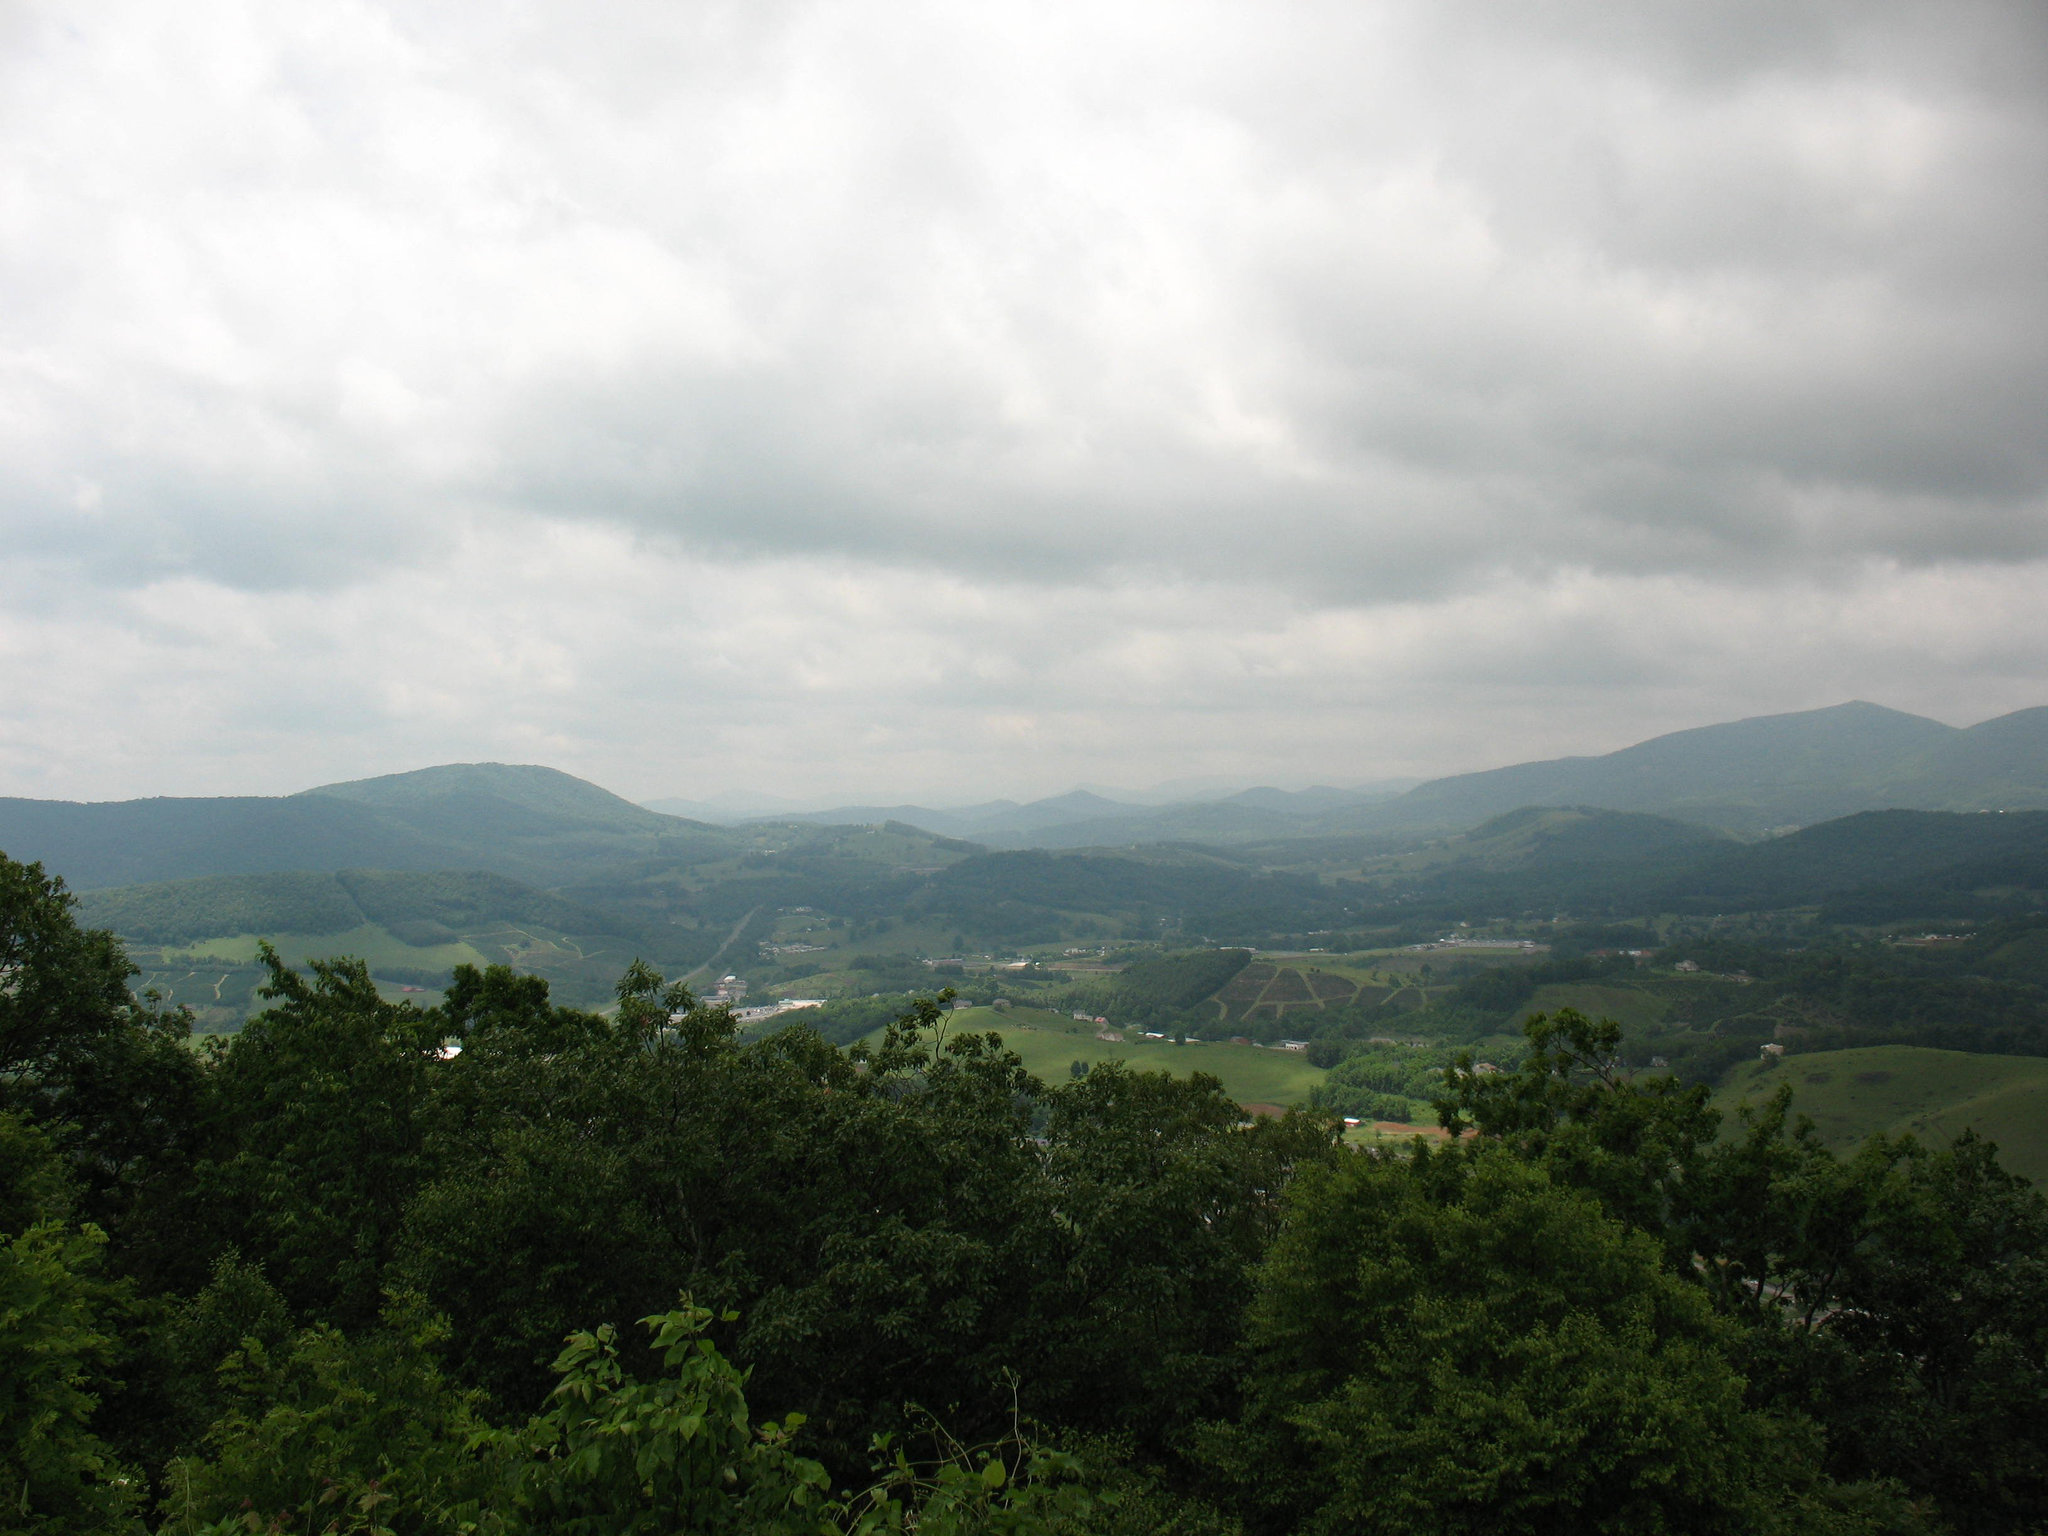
(581, 971)
(1050, 1043)
(1630, 1007)
(1370, 1135)
(1368, 970)
(1936, 1095)
(368, 942)
(525, 947)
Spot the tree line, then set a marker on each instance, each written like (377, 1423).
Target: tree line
(506, 1266)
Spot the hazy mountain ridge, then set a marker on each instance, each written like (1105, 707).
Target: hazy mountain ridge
(1249, 867)
(1083, 819)
(531, 824)
(552, 799)
(126, 842)
(1750, 776)
(1873, 867)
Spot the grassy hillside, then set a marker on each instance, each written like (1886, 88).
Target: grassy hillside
(1631, 1007)
(1050, 1043)
(547, 797)
(1850, 1095)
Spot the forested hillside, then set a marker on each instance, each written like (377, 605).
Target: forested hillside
(531, 824)
(628, 1272)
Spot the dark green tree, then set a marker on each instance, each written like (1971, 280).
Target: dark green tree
(1464, 1344)
(1572, 1107)
(1166, 1201)
(111, 1080)
(59, 1317)
(317, 1121)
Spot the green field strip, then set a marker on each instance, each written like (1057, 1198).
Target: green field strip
(1049, 1043)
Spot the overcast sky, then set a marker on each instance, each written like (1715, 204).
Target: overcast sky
(841, 401)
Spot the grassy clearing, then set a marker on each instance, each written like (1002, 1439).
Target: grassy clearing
(1627, 1006)
(1390, 1137)
(581, 971)
(1936, 1095)
(1364, 970)
(1050, 1043)
(369, 943)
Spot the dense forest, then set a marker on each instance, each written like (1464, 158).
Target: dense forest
(502, 1265)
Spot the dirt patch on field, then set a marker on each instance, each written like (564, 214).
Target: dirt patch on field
(1288, 987)
(1246, 986)
(1332, 989)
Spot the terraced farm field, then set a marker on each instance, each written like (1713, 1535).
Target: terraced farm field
(1272, 992)
(1936, 1095)
(1287, 987)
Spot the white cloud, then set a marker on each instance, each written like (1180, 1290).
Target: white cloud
(817, 679)
(926, 400)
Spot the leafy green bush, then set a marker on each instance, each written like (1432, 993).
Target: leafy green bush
(368, 1436)
(1472, 1347)
(57, 1341)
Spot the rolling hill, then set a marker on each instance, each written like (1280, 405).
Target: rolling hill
(1936, 1095)
(529, 823)
(495, 797)
(1879, 866)
(1869, 868)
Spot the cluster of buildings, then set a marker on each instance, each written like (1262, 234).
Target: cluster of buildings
(780, 1005)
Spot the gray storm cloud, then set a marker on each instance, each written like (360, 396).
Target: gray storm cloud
(1322, 323)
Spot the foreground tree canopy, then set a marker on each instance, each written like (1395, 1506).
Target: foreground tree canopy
(625, 1272)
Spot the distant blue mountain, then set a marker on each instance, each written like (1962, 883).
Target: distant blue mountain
(1752, 776)
(527, 823)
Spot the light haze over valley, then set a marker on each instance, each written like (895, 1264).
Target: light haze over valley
(1024, 769)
